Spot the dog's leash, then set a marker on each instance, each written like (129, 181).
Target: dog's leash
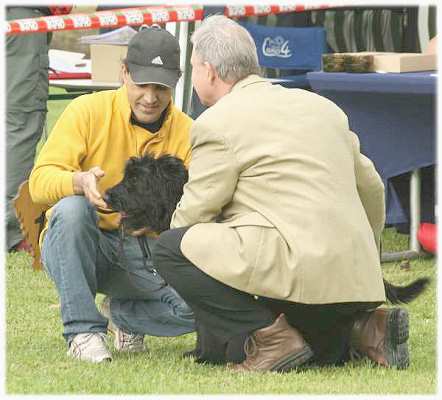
(144, 246)
(121, 237)
(147, 256)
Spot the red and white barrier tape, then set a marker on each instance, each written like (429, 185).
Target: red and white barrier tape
(140, 16)
(105, 19)
(262, 10)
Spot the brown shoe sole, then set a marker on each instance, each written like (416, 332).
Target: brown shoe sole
(396, 347)
(293, 361)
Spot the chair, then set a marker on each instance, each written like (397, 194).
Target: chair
(292, 52)
(31, 217)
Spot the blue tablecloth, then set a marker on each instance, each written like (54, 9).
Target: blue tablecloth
(410, 82)
(394, 116)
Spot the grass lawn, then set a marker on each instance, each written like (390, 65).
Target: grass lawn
(36, 361)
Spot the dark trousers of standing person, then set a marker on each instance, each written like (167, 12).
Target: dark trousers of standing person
(27, 63)
(226, 316)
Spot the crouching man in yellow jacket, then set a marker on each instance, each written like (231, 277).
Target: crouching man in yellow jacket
(83, 157)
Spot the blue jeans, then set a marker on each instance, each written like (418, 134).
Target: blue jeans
(84, 260)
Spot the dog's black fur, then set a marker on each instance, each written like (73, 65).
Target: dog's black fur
(151, 188)
(149, 192)
(405, 294)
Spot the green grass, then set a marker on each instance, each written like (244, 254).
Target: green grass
(55, 107)
(36, 360)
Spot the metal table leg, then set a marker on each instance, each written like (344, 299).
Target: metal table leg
(415, 221)
(415, 209)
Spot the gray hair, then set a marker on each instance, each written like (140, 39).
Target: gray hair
(228, 47)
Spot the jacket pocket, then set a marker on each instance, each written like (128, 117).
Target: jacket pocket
(252, 219)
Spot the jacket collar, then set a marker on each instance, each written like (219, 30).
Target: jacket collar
(249, 80)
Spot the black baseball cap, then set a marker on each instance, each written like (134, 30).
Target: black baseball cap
(153, 56)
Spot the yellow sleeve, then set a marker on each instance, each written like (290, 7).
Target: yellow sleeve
(61, 155)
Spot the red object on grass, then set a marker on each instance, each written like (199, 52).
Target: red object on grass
(427, 236)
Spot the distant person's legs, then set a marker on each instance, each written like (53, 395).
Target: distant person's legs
(27, 65)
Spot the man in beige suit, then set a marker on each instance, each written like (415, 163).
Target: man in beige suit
(276, 238)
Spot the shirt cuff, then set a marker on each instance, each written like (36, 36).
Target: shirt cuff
(67, 184)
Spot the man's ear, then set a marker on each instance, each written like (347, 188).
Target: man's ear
(212, 75)
(124, 74)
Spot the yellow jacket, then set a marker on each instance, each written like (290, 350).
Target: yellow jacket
(95, 130)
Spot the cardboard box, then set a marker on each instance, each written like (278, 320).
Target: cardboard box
(106, 62)
(404, 62)
(368, 61)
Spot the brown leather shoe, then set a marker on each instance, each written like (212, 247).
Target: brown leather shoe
(278, 347)
(381, 335)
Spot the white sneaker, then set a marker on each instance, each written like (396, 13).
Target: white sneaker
(89, 347)
(123, 341)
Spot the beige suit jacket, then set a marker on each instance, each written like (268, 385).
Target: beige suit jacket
(281, 201)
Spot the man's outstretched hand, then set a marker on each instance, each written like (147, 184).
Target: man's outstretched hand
(86, 183)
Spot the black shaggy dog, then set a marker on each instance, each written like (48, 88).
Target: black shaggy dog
(149, 192)
(151, 188)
